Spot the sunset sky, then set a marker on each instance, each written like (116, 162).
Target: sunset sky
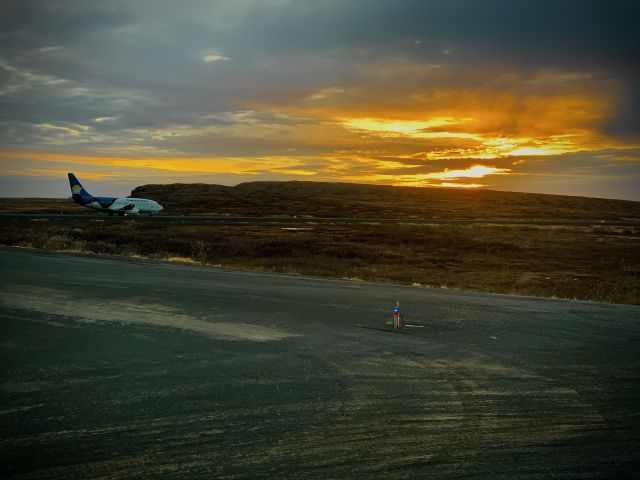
(532, 96)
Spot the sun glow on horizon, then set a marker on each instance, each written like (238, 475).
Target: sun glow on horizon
(444, 178)
(475, 171)
(459, 185)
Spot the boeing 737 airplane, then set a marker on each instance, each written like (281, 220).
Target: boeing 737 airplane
(111, 205)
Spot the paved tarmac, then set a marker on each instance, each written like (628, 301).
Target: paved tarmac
(115, 368)
(287, 220)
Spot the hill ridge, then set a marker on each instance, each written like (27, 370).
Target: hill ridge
(338, 199)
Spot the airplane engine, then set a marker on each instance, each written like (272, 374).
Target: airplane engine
(130, 209)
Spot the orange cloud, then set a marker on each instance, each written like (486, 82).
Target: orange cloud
(208, 165)
(52, 172)
(399, 125)
(462, 112)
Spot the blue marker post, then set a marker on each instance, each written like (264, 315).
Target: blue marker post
(397, 316)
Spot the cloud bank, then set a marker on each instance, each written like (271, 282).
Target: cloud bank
(529, 96)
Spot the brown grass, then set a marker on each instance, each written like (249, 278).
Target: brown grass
(317, 199)
(599, 263)
(40, 205)
(565, 260)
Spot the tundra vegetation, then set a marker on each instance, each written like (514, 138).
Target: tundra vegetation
(529, 244)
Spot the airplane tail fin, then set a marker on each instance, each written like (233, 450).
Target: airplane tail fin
(78, 193)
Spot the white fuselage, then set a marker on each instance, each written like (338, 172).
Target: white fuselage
(127, 206)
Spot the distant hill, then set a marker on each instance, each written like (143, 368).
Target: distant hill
(319, 199)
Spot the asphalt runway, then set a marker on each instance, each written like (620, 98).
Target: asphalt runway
(115, 368)
(287, 220)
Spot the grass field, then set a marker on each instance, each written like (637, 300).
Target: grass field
(317, 199)
(40, 205)
(599, 262)
(590, 263)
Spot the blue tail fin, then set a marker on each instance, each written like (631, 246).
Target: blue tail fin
(78, 193)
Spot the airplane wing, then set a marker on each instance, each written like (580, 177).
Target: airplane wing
(128, 208)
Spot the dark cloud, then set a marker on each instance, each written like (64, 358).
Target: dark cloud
(157, 47)
(246, 77)
(525, 32)
(36, 23)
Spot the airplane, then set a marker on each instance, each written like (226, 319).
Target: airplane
(111, 205)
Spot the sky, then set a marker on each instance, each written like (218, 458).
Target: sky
(530, 96)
